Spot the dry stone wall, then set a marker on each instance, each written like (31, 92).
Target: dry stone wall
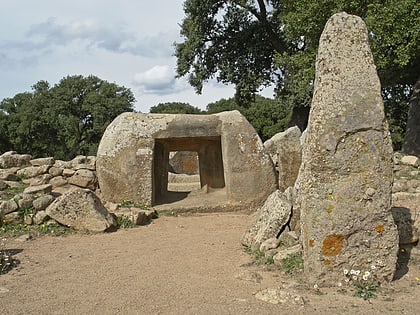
(35, 191)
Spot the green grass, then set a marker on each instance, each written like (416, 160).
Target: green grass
(258, 256)
(124, 222)
(366, 290)
(293, 263)
(8, 230)
(129, 204)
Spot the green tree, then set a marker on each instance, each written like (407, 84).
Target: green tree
(268, 116)
(252, 43)
(64, 120)
(175, 108)
(234, 41)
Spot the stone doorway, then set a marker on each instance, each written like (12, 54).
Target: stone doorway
(210, 172)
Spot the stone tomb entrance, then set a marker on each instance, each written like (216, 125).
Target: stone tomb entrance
(233, 168)
(210, 167)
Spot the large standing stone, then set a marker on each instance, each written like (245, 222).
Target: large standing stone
(344, 184)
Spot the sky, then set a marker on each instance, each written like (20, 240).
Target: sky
(127, 42)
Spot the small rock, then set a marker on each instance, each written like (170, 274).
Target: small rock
(42, 161)
(55, 171)
(3, 185)
(410, 160)
(24, 238)
(277, 296)
(41, 189)
(40, 217)
(248, 275)
(282, 254)
(8, 206)
(42, 202)
(271, 243)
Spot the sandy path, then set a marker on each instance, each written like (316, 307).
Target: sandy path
(182, 265)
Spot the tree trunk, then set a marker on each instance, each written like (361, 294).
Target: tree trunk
(412, 135)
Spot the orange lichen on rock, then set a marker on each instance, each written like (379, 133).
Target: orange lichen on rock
(333, 244)
(311, 243)
(379, 228)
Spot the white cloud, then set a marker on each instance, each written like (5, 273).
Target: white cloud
(159, 80)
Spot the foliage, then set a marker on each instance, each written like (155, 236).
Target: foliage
(366, 290)
(234, 41)
(124, 222)
(175, 108)
(252, 44)
(258, 256)
(46, 228)
(267, 116)
(64, 120)
(130, 203)
(293, 263)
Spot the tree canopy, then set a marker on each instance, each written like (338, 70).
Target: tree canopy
(254, 43)
(175, 108)
(64, 120)
(267, 116)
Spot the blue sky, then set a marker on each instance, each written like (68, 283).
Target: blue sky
(128, 42)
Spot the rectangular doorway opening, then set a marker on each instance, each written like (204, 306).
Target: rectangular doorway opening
(187, 168)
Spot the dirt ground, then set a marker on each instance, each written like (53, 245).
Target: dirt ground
(176, 265)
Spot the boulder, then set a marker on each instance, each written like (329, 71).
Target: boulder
(40, 189)
(8, 206)
(84, 178)
(286, 151)
(345, 180)
(410, 160)
(270, 219)
(33, 171)
(42, 202)
(42, 161)
(81, 209)
(12, 159)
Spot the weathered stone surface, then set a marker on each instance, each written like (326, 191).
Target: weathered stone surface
(42, 202)
(278, 296)
(3, 184)
(68, 172)
(41, 189)
(410, 160)
(81, 209)
(33, 171)
(58, 181)
(55, 171)
(136, 215)
(8, 175)
(26, 201)
(40, 217)
(38, 180)
(12, 159)
(84, 178)
(284, 253)
(13, 218)
(270, 219)
(286, 151)
(184, 162)
(8, 206)
(344, 184)
(133, 157)
(270, 243)
(42, 161)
